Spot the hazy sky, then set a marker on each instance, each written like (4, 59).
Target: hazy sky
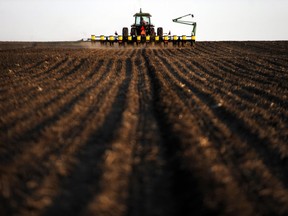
(60, 20)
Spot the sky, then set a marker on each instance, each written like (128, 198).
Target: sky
(70, 20)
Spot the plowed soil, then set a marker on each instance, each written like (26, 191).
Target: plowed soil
(144, 131)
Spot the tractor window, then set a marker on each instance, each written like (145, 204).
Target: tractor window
(146, 19)
(139, 19)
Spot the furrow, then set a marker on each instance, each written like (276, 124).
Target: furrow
(149, 170)
(227, 72)
(250, 91)
(117, 160)
(31, 89)
(24, 128)
(36, 74)
(146, 130)
(51, 91)
(19, 71)
(238, 128)
(188, 140)
(272, 121)
(27, 84)
(223, 74)
(61, 151)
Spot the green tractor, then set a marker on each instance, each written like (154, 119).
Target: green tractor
(143, 32)
(142, 29)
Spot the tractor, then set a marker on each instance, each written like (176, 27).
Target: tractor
(142, 28)
(143, 32)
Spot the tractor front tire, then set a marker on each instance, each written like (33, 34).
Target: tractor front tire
(125, 33)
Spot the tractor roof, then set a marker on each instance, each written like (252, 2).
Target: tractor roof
(142, 14)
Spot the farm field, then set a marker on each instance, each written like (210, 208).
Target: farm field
(144, 131)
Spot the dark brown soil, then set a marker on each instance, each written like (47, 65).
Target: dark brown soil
(144, 131)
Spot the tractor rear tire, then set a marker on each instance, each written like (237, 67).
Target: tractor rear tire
(133, 32)
(160, 31)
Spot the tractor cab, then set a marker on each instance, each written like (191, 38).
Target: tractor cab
(142, 20)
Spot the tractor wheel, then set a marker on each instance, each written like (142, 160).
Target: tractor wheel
(133, 32)
(125, 33)
(160, 31)
(152, 32)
